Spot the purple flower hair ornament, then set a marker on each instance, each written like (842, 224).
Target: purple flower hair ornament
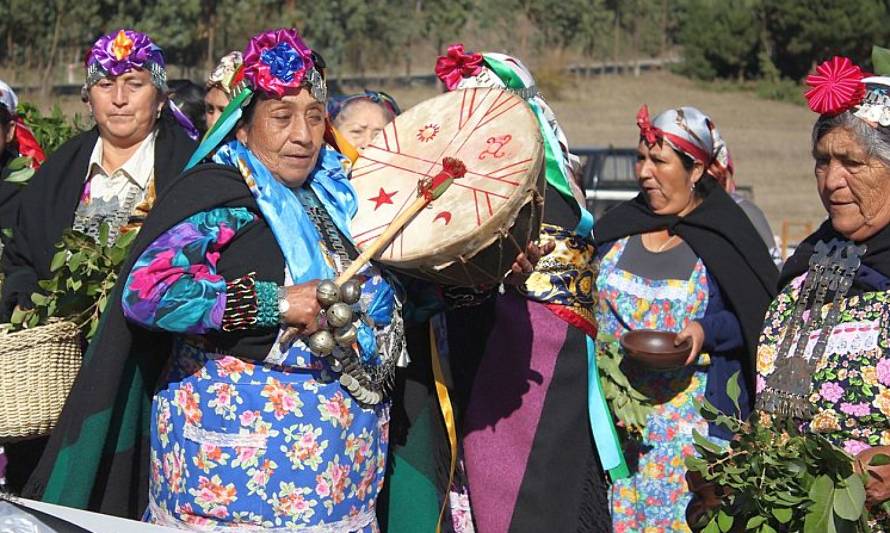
(125, 50)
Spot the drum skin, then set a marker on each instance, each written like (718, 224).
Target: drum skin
(471, 235)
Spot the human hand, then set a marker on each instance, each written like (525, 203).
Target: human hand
(695, 334)
(525, 262)
(302, 312)
(877, 485)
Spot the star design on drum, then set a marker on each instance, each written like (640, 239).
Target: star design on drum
(427, 133)
(382, 197)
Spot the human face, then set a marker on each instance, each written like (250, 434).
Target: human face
(214, 102)
(286, 135)
(361, 122)
(125, 107)
(854, 186)
(664, 180)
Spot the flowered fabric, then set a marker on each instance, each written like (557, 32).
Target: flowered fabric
(276, 444)
(258, 445)
(655, 497)
(563, 279)
(851, 385)
(174, 285)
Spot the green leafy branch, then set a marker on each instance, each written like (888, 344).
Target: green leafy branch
(628, 405)
(84, 272)
(775, 478)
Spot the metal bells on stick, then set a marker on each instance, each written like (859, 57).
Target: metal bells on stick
(337, 301)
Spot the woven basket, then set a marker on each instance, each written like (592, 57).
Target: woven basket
(37, 370)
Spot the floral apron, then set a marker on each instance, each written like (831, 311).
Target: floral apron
(655, 497)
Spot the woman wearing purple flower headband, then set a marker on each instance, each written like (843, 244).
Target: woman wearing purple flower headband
(250, 426)
(107, 174)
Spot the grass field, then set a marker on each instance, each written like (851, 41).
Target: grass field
(769, 140)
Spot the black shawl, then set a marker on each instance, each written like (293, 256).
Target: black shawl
(98, 455)
(725, 240)
(47, 205)
(876, 257)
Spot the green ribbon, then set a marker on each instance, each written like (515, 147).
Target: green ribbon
(554, 172)
(226, 122)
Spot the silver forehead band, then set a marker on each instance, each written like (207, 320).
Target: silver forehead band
(95, 72)
(877, 97)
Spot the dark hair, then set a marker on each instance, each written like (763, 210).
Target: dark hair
(189, 97)
(6, 116)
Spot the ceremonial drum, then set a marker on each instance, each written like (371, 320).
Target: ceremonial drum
(472, 234)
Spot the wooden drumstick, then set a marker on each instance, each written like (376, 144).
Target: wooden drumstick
(428, 190)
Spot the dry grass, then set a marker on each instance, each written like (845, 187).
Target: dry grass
(769, 140)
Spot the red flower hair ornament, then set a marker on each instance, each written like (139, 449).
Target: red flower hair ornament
(835, 87)
(456, 65)
(647, 130)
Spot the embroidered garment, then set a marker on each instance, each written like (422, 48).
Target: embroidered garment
(851, 385)
(113, 196)
(654, 498)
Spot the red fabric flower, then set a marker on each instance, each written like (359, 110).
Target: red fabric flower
(836, 86)
(456, 65)
(648, 132)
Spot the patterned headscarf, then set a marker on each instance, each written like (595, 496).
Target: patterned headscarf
(122, 51)
(223, 74)
(688, 130)
(337, 104)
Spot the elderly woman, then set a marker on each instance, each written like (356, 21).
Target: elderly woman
(360, 117)
(680, 257)
(219, 87)
(107, 174)
(251, 427)
(834, 288)
(103, 174)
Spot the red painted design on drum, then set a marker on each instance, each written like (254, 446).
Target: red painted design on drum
(495, 146)
(382, 197)
(444, 215)
(427, 133)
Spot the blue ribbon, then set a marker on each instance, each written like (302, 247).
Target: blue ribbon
(295, 232)
(602, 424)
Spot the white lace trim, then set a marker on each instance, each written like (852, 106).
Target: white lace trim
(648, 292)
(230, 440)
(162, 517)
(847, 338)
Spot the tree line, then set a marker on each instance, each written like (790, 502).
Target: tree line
(735, 39)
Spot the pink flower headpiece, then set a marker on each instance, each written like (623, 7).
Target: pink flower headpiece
(456, 65)
(278, 60)
(835, 87)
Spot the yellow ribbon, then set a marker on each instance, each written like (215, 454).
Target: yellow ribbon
(447, 416)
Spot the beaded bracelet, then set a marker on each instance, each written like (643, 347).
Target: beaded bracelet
(250, 304)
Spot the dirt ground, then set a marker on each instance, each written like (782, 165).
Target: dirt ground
(769, 141)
